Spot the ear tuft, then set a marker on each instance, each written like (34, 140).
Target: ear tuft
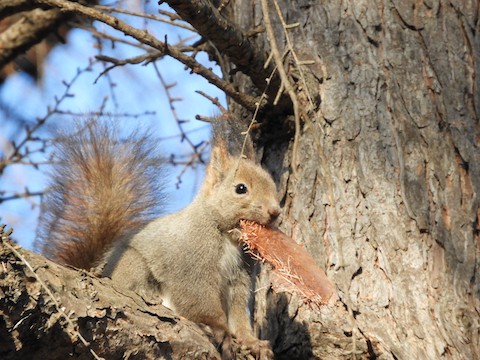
(232, 134)
(220, 162)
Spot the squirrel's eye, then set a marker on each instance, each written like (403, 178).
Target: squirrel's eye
(241, 189)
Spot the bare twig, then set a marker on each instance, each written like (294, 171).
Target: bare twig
(169, 21)
(16, 196)
(114, 39)
(207, 119)
(294, 54)
(149, 57)
(253, 122)
(213, 100)
(203, 128)
(197, 149)
(285, 81)
(21, 150)
(173, 16)
(143, 36)
(96, 114)
(187, 164)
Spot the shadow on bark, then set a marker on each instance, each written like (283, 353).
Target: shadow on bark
(32, 335)
(289, 337)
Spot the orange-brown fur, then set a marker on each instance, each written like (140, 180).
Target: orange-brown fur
(101, 187)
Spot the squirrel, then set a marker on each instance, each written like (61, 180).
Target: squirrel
(101, 212)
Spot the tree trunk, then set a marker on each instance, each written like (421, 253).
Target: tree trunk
(385, 195)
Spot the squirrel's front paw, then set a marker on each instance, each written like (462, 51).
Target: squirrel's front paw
(224, 341)
(261, 349)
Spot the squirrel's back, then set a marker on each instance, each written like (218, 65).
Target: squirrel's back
(101, 188)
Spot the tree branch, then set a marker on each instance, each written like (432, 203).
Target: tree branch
(29, 30)
(10, 7)
(77, 313)
(144, 37)
(229, 40)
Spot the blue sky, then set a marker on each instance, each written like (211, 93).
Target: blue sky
(137, 90)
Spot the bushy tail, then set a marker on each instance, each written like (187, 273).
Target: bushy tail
(101, 188)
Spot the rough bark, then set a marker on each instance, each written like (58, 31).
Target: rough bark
(233, 43)
(27, 30)
(115, 323)
(386, 195)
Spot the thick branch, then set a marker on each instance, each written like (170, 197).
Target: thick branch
(56, 312)
(29, 30)
(10, 7)
(229, 40)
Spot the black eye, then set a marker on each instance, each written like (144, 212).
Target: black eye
(241, 189)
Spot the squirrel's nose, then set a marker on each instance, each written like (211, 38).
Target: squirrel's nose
(274, 212)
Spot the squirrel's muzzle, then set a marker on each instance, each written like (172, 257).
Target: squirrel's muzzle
(273, 212)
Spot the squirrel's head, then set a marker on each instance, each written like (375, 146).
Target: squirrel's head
(240, 190)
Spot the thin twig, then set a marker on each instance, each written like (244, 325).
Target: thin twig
(24, 195)
(96, 114)
(285, 81)
(228, 38)
(111, 38)
(21, 150)
(294, 54)
(207, 119)
(197, 149)
(213, 100)
(145, 37)
(257, 109)
(146, 16)
(147, 58)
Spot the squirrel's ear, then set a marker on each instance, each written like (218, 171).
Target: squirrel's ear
(220, 162)
(231, 134)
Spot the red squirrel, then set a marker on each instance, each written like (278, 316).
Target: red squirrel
(99, 213)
